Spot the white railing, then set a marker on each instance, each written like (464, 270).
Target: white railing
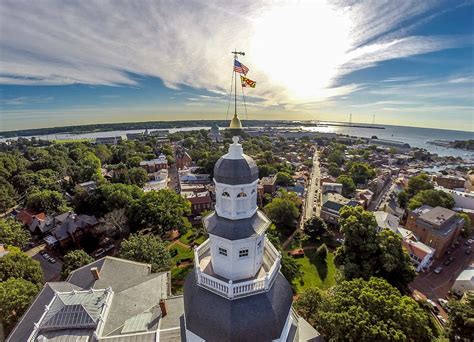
(232, 290)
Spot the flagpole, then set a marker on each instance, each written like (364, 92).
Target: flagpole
(235, 86)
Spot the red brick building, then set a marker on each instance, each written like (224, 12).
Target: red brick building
(436, 227)
(183, 159)
(155, 165)
(450, 182)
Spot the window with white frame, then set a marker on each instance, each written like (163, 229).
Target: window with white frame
(243, 253)
(222, 251)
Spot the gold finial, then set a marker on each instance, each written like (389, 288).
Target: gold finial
(235, 123)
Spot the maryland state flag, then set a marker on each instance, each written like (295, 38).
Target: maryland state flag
(247, 82)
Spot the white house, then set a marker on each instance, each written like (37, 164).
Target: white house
(465, 281)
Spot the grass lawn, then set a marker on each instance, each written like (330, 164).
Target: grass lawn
(189, 238)
(183, 253)
(316, 272)
(177, 278)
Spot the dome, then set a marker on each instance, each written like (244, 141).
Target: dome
(236, 171)
(260, 317)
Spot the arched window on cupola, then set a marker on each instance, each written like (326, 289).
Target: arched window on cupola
(225, 194)
(242, 194)
(225, 202)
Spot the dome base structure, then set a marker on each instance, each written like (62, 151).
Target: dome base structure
(262, 317)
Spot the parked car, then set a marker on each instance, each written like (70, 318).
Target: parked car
(444, 304)
(98, 253)
(468, 251)
(51, 260)
(433, 305)
(438, 270)
(45, 255)
(448, 261)
(467, 242)
(441, 319)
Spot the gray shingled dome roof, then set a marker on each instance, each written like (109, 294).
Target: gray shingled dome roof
(259, 317)
(236, 229)
(236, 171)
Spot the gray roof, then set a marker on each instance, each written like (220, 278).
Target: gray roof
(236, 229)
(25, 326)
(260, 317)
(113, 272)
(236, 171)
(134, 306)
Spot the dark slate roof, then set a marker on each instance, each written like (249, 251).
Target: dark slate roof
(236, 229)
(259, 317)
(332, 205)
(236, 171)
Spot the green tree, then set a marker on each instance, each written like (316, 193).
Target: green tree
(432, 198)
(74, 260)
(370, 310)
(15, 296)
(116, 196)
(114, 223)
(7, 195)
(314, 227)
(282, 211)
(322, 251)
(88, 168)
(289, 267)
(361, 172)
(357, 256)
(336, 157)
(162, 210)
(402, 199)
(284, 179)
(348, 186)
(17, 264)
(461, 318)
(418, 183)
(334, 170)
(47, 200)
(394, 263)
(266, 170)
(104, 153)
(148, 249)
(467, 228)
(364, 253)
(137, 176)
(12, 233)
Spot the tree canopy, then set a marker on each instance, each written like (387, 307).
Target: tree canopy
(418, 183)
(314, 227)
(148, 249)
(348, 185)
(15, 296)
(361, 172)
(74, 260)
(366, 253)
(162, 210)
(461, 318)
(49, 201)
(370, 310)
(432, 198)
(282, 211)
(284, 179)
(17, 264)
(12, 233)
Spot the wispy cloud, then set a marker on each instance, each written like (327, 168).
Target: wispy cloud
(25, 100)
(188, 43)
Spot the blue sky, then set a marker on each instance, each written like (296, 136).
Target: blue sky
(407, 62)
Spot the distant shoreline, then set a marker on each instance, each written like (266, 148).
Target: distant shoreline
(81, 129)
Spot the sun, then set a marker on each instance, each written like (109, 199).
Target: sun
(301, 46)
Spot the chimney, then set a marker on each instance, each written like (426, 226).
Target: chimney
(95, 273)
(163, 307)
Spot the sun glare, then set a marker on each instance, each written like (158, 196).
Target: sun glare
(301, 46)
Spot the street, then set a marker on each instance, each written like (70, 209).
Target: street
(436, 286)
(312, 190)
(51, 271)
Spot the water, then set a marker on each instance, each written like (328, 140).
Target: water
(415, 136)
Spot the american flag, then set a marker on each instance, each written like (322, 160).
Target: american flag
(240, 68)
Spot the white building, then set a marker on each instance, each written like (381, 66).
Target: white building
(465, 281)
(421, 255)
(386, 221)
(332, 187)
(236, 292)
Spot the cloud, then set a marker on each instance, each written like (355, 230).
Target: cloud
(298, 52)
(25, 100)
